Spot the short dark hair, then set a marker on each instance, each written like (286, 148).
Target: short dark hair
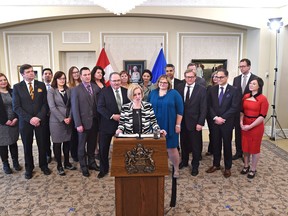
(260, 83)
(58, 75)
(24, 67)
(49, 69)
(147, 71)
(191, 64)
(248, 62)
(226, 73)
(83, 68)
(110, 75)
(170, 65)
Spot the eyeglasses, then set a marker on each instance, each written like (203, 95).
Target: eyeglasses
(114, 81)
(220, 77)
(190, 77)
(163, 83)
(242, 66)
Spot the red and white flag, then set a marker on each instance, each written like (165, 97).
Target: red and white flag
(104, 62)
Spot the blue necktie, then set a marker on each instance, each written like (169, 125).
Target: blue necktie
(221, 95)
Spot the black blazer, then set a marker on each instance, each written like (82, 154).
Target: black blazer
(195, 109)
(230, 105)
(107, 106)
(25, 107)
(176, 83)
(237, 83)
(3, 113)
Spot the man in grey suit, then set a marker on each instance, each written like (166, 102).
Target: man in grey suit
(109, 106)
(84, 112)
(30, 104)
(241, 82)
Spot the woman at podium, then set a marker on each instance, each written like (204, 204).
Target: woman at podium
(137, 116)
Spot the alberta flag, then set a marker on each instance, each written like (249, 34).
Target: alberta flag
(104, 62)
(159, 66)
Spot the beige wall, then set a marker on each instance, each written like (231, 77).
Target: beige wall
(258, 43)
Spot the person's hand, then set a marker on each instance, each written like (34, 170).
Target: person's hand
(116, 117)
(8, 123)
(163, 132)
(80, 129)
(118, 131)
(246, 127)
(177, 129)
(198, 127)
(14, 122)
(35, 121)
(219, 120)
(67, 121)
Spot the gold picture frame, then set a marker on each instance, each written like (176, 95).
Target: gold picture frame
(37, 70)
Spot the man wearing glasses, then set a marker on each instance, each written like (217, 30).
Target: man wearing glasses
(241, 83)
(170, 71)
(223, 103)
(109, 106)
(195, 109)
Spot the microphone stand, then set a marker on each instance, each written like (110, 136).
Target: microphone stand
(139, 122)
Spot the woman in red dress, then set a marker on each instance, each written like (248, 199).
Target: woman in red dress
(254, 110)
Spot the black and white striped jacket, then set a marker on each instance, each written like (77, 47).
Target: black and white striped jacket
(149, 122)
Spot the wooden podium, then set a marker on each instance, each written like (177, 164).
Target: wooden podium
(140, 193)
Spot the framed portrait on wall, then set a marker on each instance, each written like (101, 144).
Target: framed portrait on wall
(205, 67)
(135, 69)
(37, 70)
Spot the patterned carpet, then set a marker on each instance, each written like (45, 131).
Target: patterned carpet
(206, 194)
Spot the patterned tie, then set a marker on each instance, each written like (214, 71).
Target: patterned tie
(118, 99)
(244, 83)
(31, 91)
(88, 87)
(48, 86)
(187, 94)
(221, 95)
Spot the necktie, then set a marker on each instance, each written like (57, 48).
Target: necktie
(187, 94)
(118, 99)
(48, 86)
(31, 91)
(88, 87)
(221, 95)
(244, 83)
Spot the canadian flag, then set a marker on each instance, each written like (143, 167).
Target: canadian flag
(104, 62)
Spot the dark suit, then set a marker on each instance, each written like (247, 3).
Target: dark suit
(195, 110)
(237, 83)
(200, 81)
(84, 112)
(26, 108)
(107, 106)
(229, 107)
(176, 83)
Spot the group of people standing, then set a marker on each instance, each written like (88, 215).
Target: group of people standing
(86, 111)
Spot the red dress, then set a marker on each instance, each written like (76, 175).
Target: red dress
(251, 140)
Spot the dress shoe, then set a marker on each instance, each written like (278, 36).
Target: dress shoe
(6, 168)
(69, 167)
(94, 167)
(182, 165)
(16, 165)
(85, 172)
(194, 172)
(236, 156)
(101, 174)
(46, 171)
(49, 159)
(251, 174)
(212, 169)
(28, 175)
(61, 171)
(227, 173)
(245, 170)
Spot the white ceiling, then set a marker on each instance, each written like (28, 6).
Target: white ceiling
(191, 3)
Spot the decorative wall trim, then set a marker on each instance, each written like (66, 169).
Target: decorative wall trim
(76, 37)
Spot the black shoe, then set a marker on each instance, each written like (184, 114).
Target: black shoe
(70, 167)
(46, 171)
(85, 172)
(182, 165)
(94, 167)
(49, 159)
(245, 170)
(236, 156)
(61, 171)
(194, 172)
(101, 175)
(251, 174)
(17, 166)
(28, 175)
(6, 168)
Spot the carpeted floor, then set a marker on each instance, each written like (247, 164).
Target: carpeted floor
(206, 194)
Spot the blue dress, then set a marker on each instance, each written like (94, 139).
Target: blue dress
(166, 109)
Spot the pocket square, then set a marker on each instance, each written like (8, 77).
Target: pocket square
(39, 90)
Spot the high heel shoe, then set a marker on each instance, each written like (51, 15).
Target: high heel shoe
(251, 174)
(245, 170)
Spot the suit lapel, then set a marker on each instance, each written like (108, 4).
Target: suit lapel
(226, 93)
(86, 94)
(25, 89)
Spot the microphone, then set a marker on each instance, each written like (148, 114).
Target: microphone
(139, 124)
